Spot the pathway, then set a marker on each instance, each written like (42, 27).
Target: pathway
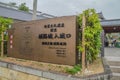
(113, 57)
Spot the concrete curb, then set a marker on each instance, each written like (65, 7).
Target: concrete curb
(58, 76)
(107, 69)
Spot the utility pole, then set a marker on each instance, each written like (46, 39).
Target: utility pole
(83, 43)
(34, 9)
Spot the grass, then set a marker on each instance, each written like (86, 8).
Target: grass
(74, 70)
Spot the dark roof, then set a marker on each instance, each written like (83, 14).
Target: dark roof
(112, 22)
(7, 11)
(101, 16)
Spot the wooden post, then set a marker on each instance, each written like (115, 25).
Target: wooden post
(2, 44)
(83, 43)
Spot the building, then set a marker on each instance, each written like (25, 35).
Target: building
(18, 15)
(111, 26)
(8, 11)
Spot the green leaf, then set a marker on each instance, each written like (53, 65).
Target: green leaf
(91, 33)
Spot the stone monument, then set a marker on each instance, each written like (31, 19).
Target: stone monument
(51, 40)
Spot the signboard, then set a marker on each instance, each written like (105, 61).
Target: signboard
(47, 40)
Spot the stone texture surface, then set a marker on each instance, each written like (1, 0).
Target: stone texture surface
(50, 40)
(7, 74)
(12, 71)
(112, 56)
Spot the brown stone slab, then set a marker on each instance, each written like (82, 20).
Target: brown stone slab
(49, 40)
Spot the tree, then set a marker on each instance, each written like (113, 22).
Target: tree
(4, 22)
(92, 38)
(23, 7)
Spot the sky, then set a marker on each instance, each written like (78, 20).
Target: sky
(109, 8)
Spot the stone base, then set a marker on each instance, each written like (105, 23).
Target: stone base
(9, 74)
(10, 71)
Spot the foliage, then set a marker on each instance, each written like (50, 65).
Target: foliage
(92, 34)
(74, 70)
(23, 7)
(4, 22)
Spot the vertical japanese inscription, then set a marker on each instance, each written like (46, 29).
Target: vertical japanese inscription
(59, 46)
(26, 41)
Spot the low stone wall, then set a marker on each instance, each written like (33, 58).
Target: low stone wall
(9, 74)
(10, 71)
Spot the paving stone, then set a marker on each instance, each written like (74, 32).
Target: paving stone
(113, 58)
